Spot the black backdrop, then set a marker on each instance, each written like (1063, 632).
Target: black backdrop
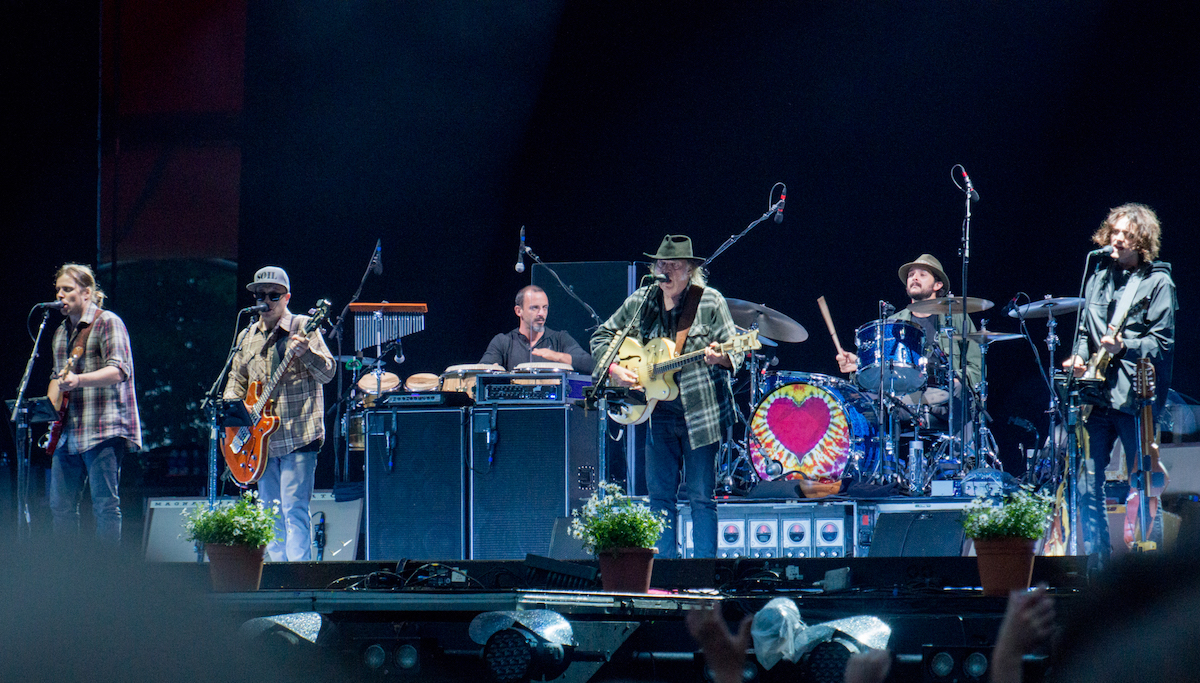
(443, 127)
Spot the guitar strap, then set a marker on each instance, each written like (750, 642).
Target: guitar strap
(687, 316)
(80, 342)
(1127, 295)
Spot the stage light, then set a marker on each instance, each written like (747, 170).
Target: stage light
(976, 665)
(941, 665)
(408, 657)
(374, 657)
(524, 645)
(955, 663)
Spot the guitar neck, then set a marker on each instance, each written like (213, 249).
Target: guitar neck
(689, 358)
(272, 381)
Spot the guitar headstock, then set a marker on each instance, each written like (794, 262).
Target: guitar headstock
(1144, 380)
(745, 342)
(318, 315)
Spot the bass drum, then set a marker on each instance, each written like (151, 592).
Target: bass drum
(815, 428)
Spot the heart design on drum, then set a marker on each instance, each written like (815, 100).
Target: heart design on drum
(799, 428)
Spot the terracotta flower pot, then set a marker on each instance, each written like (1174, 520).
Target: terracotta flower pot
(234, 568)
(1005, 564)
(626, 570)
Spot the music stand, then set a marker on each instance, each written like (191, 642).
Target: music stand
(233, 413)
(40, 409)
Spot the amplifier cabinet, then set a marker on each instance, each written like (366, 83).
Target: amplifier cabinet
(416, 484)
(761, 530)
(529, 466)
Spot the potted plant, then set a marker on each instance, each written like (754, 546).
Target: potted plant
(1005, 530)
(621, 531)
(235, 535)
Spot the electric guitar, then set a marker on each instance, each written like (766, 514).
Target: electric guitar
(50, 441)
(1141, 507)
(1098, 364)
(656, 365)
(245, 448)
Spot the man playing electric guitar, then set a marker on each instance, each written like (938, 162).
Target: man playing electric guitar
(299, 404)
(1129, 275)
(685, 432)
(99, 419)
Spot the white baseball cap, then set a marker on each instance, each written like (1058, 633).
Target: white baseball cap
(270, 275)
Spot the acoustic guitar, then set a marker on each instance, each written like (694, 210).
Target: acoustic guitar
(1141, 507)
(245, 448)
(656, 365)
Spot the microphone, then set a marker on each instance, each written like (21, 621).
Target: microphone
(257, 308)
(1095, 252)
(1010, 309)
(658, 277)
(886, 308)
(974, 196)
(779, 206)
(377, 258)
(56, 305)
(520, 267)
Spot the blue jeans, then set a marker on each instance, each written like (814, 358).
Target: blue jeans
(101, 465)
(668, 451)
(1104, 427)
(289, 480)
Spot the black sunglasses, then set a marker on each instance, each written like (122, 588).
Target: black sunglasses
(273, 296)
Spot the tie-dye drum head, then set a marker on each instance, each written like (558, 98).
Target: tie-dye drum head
(808, 431)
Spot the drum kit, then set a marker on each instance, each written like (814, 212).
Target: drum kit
(822, 430)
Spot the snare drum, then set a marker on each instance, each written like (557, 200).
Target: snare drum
(813, 427)
(462, 377)
(890, 353)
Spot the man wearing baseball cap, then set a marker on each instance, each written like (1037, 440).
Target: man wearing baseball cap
(684, 433)
(299, 403)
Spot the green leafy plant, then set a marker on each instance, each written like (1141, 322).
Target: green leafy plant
(610, 519)
(245, 521)
(1023, 513)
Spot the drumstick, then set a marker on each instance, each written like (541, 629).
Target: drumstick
(829, 324)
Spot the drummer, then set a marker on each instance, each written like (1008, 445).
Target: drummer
(924, 279)
(532, 341)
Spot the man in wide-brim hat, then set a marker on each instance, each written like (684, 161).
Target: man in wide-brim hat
(684, 433)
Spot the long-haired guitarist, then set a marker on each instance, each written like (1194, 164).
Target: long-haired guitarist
(1128, 314)
(98, 420)
(299, 403)
(685, 432)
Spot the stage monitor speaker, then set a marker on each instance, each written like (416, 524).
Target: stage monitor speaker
(416, 484)
(164, 533)
(530, 465)
(918, 534)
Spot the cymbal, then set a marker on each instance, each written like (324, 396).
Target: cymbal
(771, 323)
(987, 336)
(1047, 307)
(943, 305)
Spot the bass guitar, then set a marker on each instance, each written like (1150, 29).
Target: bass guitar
(50, 441)
(1141, 507)
(245, 448)
(656, 365)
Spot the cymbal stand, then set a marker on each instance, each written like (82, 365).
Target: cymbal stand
(985, 444)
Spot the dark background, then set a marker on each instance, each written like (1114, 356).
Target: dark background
(443, 127)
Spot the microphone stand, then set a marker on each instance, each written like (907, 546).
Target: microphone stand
(20, 416)
(340, 446)
(962, 409)
(775, 208)
(570, 290)
(600, 390)
(213, 408)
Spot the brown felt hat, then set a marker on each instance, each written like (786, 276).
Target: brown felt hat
(675, 247)
(928, 262)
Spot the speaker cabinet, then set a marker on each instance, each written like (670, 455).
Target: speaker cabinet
(163, 534)
(918, 534)
(416, 484)
(529, 466)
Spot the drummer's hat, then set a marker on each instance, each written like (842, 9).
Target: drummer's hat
(928, 262)
(675, 247)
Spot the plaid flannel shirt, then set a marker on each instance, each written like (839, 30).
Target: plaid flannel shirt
(299, 397)
(704, 389)
(96, 414)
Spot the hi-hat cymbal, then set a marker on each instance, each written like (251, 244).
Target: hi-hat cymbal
(944, 305)
(771, 323)
(1060, 305)
(987, 336)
